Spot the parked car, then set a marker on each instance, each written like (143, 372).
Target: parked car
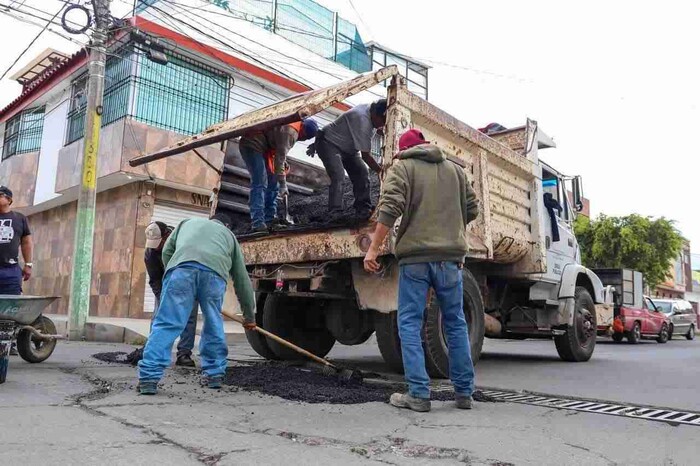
(635, 316)
(646, 323)
(684, 321)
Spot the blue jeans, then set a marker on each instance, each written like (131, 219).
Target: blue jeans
(263, 188)
(11, 280)
(184, 347)
(182, 286)
(415, 281)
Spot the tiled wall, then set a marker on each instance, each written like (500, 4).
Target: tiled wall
(114, 247)
(18, 173)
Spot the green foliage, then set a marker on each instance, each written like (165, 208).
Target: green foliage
(632, 242)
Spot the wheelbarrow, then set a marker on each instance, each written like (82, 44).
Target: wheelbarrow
(21, 321)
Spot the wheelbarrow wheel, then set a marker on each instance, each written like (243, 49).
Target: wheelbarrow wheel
(32, 349)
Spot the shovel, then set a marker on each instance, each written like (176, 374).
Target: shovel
(343, 374)
(284, 217)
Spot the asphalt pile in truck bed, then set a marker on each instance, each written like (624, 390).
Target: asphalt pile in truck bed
(311, 212)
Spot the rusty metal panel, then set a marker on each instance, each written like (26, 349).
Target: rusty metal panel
(287, 111)
(502, 179)
(295, 247)
(377, 292)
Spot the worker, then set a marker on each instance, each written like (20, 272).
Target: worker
(346, 143)
(265, 156)
(435, 202)
(156, 235)
(14, 235)
(198, 257)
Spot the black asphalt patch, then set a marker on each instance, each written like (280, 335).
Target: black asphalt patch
(116, 357)
(295, 384)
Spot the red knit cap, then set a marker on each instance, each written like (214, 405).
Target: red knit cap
(410, 138)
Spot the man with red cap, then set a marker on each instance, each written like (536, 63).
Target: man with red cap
(435, 202)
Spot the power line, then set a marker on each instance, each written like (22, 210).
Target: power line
(255, 42)
(33, 23)
(30, 44)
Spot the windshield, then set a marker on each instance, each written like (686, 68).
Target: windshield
(664, 306)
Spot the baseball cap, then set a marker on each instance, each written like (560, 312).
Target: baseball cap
(154, 234)
(5, 191)
(410, 138)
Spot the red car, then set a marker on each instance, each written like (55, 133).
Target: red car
(636, 324)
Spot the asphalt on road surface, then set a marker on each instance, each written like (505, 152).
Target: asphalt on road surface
(75, 409)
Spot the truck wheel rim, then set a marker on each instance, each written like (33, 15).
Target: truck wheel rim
(585, 327)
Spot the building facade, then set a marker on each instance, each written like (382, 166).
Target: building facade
(167, 76)
(679, 284)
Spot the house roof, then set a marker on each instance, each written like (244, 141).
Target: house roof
(42, 83)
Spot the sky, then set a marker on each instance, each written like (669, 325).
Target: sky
(616, 84)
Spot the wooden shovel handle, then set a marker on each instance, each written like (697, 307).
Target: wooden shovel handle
(279, 340)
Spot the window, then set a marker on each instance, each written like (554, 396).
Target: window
(23, 132)
(182, 96)
(115, 103)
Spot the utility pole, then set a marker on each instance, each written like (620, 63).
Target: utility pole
(81, 277)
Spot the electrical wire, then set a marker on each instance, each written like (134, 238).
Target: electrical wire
(33, 23)
(30, 44)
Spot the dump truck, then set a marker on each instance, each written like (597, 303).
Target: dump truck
(523, 278)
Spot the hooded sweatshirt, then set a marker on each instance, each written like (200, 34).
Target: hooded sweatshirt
(435, 201)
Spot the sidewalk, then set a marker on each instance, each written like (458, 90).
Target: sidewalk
(130, 331)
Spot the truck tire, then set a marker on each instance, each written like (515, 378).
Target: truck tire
(298, 320)
(434, 340)
(663, 334)
(617, 337)
(348, 324)
(256, 340)
(578, 342)
(34, 350)
(635, 335)
(387, 330)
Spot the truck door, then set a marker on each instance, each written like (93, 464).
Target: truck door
(560, 242)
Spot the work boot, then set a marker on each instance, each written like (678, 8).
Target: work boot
(262, 228)
(463, 401)
(147, 387)
(185, 360)
(404, 400)
(215, 382)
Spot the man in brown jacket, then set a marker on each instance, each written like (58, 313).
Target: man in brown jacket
(435, 201)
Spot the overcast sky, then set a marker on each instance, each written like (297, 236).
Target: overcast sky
(616, 84)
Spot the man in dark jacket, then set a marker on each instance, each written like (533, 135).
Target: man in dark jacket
(435, 202)
(156, 235)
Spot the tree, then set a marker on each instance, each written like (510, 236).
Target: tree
(632, 242)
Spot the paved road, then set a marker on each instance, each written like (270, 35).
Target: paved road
(647, 373)
(73, 409)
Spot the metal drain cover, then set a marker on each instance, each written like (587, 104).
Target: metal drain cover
(595, 407)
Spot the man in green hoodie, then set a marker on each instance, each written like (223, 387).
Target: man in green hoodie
(435, 201)
(198, 258)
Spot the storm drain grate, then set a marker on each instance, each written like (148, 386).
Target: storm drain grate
(597, 407)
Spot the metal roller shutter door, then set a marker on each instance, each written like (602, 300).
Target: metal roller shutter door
(172, 216)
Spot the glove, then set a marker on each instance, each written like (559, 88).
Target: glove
(311, 150)
(284, 190)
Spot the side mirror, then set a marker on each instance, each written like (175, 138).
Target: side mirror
(577, 193)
